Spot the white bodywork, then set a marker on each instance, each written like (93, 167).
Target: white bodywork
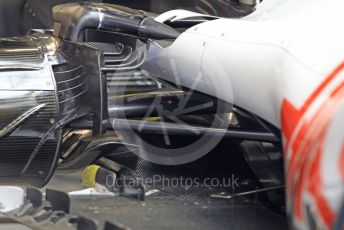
(284, 63)
(304, 36)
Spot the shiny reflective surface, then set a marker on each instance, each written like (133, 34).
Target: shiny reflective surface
(71, 19)
(29, 136)
(25, 117)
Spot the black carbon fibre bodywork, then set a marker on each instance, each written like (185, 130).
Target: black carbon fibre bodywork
(20, 159)
(71, 19)
(29, 134)
(80, 83)
(44, 85)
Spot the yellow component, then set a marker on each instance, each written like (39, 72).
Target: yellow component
(88, 176)
(152, 119)
(126, 95)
